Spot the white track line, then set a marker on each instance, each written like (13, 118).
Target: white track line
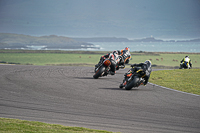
(173, 89)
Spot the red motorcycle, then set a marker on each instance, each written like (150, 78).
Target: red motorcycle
(103, 69)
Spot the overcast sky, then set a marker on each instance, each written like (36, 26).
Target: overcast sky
(102, 18)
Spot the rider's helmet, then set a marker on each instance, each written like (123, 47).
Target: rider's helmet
(115, 52)
(148, 62)
(127, 48)
(186, 56)
(118, 52)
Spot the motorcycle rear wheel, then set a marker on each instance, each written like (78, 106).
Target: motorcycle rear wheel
(99, 72)
(133, 83)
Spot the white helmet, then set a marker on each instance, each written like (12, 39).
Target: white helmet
(148, 62)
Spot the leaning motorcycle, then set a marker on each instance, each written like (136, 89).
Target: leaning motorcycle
(134, 78)
(103, 69)
(185, 65)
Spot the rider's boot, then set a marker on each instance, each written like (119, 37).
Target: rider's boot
(97, 65)
(100, 62)
(122, 84)
(112, 73)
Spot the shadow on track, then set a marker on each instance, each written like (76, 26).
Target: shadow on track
(123, 89)
(112, 89)
(84, 77)
(134, 89)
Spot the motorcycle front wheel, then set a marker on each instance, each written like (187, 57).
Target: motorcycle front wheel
(99, 72)
(133, 83)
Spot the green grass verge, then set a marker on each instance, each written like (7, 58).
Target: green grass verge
(90, 58)
(22, 126)
(48, 58)
(186, 80)
(166, 60)
(42, 58)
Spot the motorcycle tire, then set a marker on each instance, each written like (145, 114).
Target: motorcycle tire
(133, 83)
(99, 72)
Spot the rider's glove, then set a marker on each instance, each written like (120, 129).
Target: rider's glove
(133, 65)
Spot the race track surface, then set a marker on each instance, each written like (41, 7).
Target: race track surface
(71, 97)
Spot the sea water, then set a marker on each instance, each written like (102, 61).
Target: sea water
(192, 47)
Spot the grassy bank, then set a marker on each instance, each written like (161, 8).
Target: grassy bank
(90, 58)
(186, 80)
(22, 126)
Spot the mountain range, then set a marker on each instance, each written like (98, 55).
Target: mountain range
(118, 39)
(13, 41)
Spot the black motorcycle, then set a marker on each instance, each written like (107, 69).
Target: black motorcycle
(134, 78)
(185, 65)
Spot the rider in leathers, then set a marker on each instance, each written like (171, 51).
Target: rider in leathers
(146, 67)
(187, 59)
(114, 59)
(125, 54)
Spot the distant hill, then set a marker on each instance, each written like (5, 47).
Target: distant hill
(148, 39)
(19, 41)
(102, 39)
(8, 40)
(193, 40)
(114, 39)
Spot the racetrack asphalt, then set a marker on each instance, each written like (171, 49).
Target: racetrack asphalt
(70, 96)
